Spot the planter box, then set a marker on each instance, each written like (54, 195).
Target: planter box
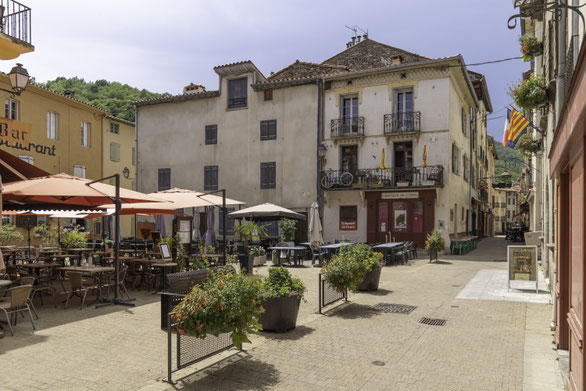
(246, 262)
(402, 184)
(260, 260)
(370, 281)
(427, 183)
(280, 313)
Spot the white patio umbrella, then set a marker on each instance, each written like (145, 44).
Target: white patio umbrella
(315, 229)
(266, 212)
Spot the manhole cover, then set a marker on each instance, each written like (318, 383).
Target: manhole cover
(378, 363)
(433, 322)
(394, 308)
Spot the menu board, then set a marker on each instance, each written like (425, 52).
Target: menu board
(522, 262)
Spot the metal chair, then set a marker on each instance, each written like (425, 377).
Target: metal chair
(77, 285)
(19, 302)
(121, 279)
(412, 250)
(283, 253)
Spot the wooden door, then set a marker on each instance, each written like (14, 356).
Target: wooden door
(562, 260)
(576, 253)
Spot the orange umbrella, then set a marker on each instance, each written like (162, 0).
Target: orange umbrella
(144, 209)
(67, 189)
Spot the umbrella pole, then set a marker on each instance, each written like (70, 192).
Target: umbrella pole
(224, 225)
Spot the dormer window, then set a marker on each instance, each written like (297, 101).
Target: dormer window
(237, 93)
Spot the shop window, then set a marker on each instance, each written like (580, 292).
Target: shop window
(348, 218)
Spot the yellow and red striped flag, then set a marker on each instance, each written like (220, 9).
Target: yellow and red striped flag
(518, 126)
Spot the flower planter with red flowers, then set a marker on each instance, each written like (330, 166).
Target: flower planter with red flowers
(280, 296)
(530, 47)
(356, 267)
(530, 93)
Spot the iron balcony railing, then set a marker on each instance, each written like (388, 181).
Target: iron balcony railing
(402, 122)
(347, 127)
(15, 20)
(389, 178)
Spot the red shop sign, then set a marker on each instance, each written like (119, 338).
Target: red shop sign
(348, 225)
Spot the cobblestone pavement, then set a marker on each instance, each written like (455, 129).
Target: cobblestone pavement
(481, 346)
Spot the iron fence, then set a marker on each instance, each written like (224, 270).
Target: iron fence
(402, 122)
(388, 178)
(347, 127)
(190, 350)
(329, 295)
(15, 20)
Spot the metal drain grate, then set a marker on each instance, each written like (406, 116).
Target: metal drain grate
(394, 308)
(433, 322)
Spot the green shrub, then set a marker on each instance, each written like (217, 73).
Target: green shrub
(280, 283)
(9, 234)
(287, 228)
(347, 269)
(257, 251)
(74, 238)
(49, 234)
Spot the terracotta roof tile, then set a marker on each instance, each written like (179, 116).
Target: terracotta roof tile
(303, 70)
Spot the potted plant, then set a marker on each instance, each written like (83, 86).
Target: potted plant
(281, 295)
(48, 234)
(434, 243)
(529, 93)
(530, 47)
(287, 228)
(245, 231)
(74, 238)
(528, 145)
(259, 255)
(9, 234)
(356, 267)
(227, 302)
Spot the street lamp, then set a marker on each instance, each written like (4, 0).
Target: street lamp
(19, 78)
(126, 172)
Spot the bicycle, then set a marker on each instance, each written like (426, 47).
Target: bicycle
(332, 178)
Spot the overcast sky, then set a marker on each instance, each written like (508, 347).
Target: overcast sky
(164, 45)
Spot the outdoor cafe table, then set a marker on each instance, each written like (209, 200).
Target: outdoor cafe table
(388, 248)
(294, 249)
(164, 266)
(36, 267)
(96, 271)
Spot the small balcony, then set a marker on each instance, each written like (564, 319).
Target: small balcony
(347, 127)
(390, 178)
(402, 123)
(15, 30)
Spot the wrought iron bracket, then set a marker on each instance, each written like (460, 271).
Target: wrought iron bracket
(529, 8)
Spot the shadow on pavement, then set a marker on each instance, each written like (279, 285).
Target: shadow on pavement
(355, 311)
(381, 292)
(297, 333)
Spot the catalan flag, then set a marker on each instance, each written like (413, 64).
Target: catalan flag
(517, 128)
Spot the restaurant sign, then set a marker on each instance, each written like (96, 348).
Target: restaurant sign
(522, 264)
(348, 225)
(17, 135)
(400, 195)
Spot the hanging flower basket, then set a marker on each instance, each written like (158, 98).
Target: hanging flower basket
(530, 47)
(530, 93)
(528, 145)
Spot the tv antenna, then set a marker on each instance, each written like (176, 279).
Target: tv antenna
(355, 29)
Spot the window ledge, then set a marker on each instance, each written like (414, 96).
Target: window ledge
(237, 108)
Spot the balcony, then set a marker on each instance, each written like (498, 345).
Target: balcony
(347, 128)
(15, 30)
(402, 123)
(390, 178)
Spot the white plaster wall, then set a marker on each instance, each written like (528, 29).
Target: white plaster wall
(331, 227)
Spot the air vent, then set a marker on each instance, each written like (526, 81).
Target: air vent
(394, 308)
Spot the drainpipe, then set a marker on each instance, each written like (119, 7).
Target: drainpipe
(320, 89)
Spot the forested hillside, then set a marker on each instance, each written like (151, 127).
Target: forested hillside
(113, 97)
(510, 160)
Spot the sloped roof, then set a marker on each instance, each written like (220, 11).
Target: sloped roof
(302, 70)
(369, 54)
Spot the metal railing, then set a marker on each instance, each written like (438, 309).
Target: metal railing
(347, 127)
(329, 295)
(402, 122)
(15, 20)
(236, 103)
(190, 350)
(389, 178)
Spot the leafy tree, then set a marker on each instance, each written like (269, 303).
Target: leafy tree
(509, 160)
(114, 97)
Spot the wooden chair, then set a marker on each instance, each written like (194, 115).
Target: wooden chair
(78, 284)
(19, 302)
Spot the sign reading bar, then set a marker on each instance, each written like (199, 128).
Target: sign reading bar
(17, 135)
(348, 225)
(400, 195)
(522, 264)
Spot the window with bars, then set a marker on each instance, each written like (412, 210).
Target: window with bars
(164, 179)
(237, 93)
(52, 125)
(114, 152)
(210, 178)
(211, 134)
(268, 130)
(229, 222)
(466, 169)
(464, 122)
(114, 128)
(85, 134)
(455, 159)
(268, 175)
(79, 171)
(11, 109)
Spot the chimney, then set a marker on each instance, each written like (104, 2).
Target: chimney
(193, 89)
(359, 38)
(69, 94)
(365, 36)
(348, 45)
(353, 41)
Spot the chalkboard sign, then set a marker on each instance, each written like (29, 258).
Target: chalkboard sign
(522, 263)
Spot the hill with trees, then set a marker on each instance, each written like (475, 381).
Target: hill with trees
(113, 97)
(510, 160)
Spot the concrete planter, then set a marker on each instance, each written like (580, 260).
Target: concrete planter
(371, 280)
(260, 260)
(280, 313)
(246, 263)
